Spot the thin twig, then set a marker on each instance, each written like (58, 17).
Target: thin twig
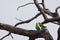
(55, 14)
(57, 9)
(29, 20)
(25, 5)
(19, 19)
(7, 35)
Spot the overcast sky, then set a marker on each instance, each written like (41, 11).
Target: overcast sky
(9, 13)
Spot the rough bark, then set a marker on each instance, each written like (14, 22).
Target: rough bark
(32, 34)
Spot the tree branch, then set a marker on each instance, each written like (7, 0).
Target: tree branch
(25, 5)
(29, 20)
(52, 20)
(33, 34)
(40, 9)
(6, 36)
(29, 33)
(55, 14)
(56, 10)
(58, 38)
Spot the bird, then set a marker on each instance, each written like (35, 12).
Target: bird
(39, 26)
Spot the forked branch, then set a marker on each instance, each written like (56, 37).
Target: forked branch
(33, 34)
(40, 9)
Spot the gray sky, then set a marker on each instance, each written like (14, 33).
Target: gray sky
(8, 13)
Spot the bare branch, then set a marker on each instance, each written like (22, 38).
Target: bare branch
(26, 5)
(55, 14)
(33, 34)
(56, 10)
(29, 20)
(40, 9)
(51, 20)
(43, 4)
(29, 33)
(7, 35)
(45, 17)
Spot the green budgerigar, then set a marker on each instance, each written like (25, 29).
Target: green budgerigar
(39, 26)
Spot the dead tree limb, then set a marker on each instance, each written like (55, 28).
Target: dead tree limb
(29, 33)
(33, 34)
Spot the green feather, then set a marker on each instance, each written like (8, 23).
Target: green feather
(37, 27)
(40, 26)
